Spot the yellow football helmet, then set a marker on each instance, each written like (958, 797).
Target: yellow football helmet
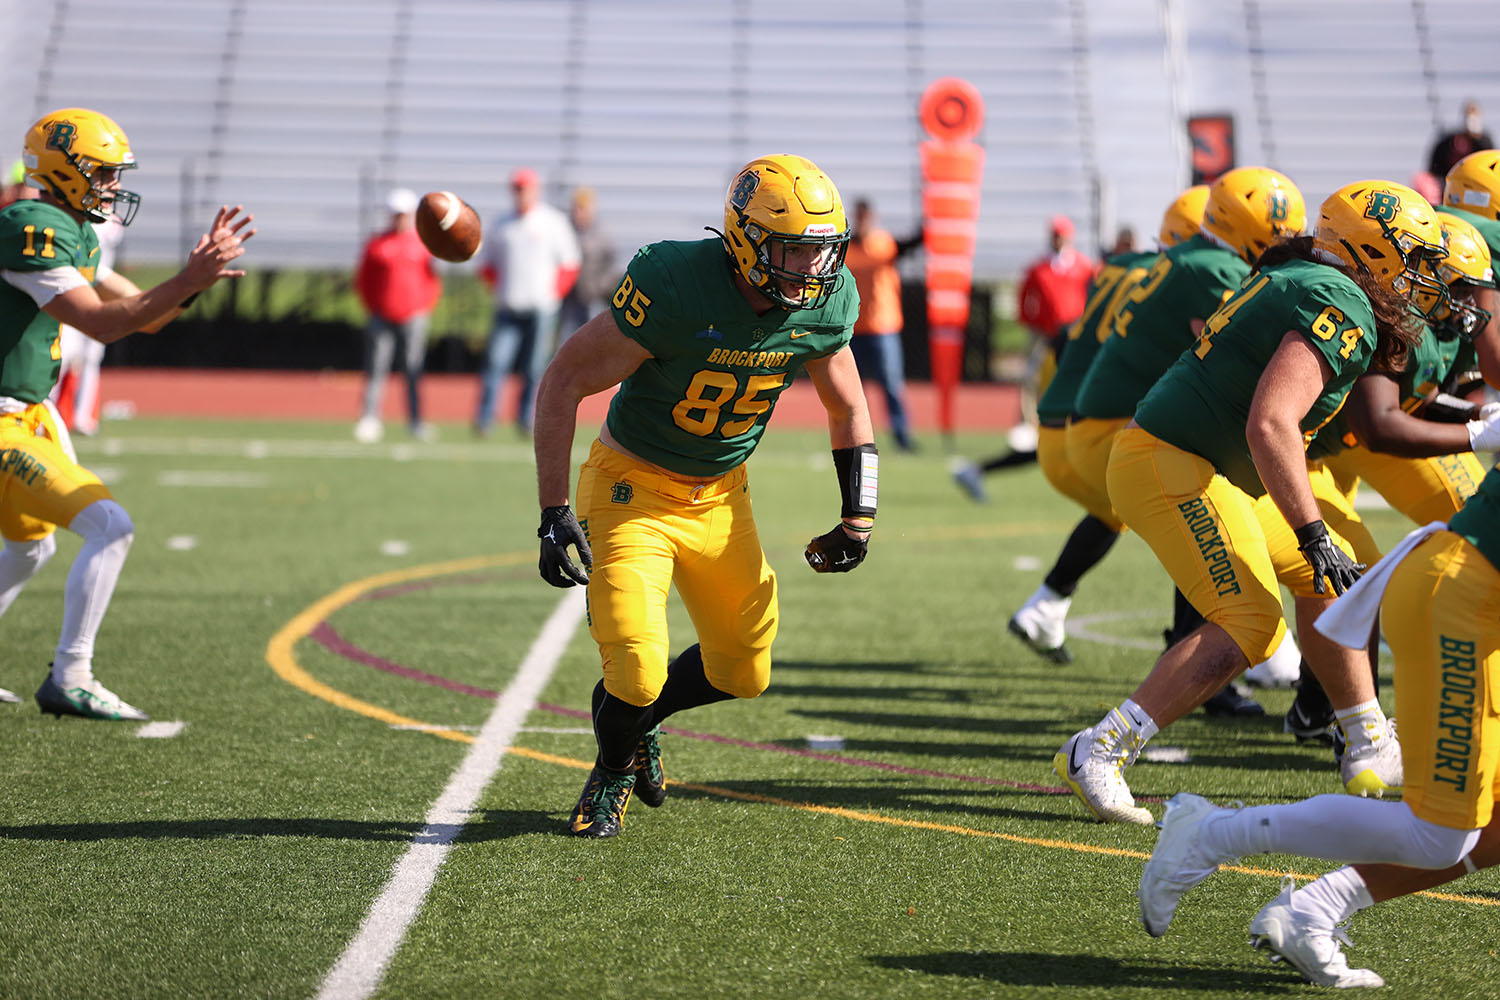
(1473, 184)
(1183, 217)
(1386, 230)
(1249, 207)
(1466, 267)
(785, 229)
(73, 154)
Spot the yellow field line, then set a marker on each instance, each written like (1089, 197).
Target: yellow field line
(281, 657)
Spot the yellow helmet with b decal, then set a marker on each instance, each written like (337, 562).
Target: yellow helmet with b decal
(76, 155)
(1473, 184)
(785, 230)
(1183, 217)
(1250, 207)
(1466, 268)
(1386, 230)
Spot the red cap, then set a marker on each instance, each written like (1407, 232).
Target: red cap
(524, 177)
(1062, 226)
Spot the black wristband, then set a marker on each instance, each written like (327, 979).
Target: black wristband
(1309, 533)
(189, 300)
(858, 470)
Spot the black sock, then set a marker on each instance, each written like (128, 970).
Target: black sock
(687, 686)
(1009, 460)
(1185, 620)
(1090, 541)
(1311, 699)
(618, 726)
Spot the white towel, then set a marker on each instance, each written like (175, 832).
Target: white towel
(1348, 620)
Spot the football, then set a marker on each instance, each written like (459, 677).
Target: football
(449, 228)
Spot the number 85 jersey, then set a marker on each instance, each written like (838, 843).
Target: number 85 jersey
(699, 404)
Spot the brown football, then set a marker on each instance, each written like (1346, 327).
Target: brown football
(449, 228)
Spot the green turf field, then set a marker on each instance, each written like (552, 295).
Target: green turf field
(881, 823)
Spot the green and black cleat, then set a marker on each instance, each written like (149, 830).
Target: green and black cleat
(600, 811)
(650, 776)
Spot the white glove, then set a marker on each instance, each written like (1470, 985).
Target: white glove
(1484, 433)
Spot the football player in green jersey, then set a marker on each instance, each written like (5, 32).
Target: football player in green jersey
(1041, 621)
(702, 339)
(48, 257)
(1228, 422)
(1471, 191)
(1439, 596)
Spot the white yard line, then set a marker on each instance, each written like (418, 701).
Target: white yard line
(358, 971)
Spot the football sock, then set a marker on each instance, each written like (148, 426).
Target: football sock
(1333, 898)
(107, 533)
(1090, 542)
(1009, 460)
(19, 562)
(1336, 827)
(687, 686)
(1363, 724)
(618, 726)
(1311, 699)
(1124, 730)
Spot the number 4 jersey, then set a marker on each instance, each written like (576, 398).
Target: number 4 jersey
(36, 236)
(1202, 403)
(699, 404)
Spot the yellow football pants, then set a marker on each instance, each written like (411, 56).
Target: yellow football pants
(1424, 489)
(41, 486)
(1441, 616)
(1089, 442)
(1205, 532)
(1343, 523)
(648, 531)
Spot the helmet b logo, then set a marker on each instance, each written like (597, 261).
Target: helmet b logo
(744, 189)
(1276, 206)
(1383, 206)
(60, 135)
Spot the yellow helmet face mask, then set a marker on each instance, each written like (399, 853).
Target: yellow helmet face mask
(1249, 208)
(1386, 230)
(785, 230)
(76, 155)
(1473, 184)
(1183, 217)
(1466, 268)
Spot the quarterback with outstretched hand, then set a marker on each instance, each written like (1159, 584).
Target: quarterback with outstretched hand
(702, 338)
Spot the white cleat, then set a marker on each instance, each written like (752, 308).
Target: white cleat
(369, 430)
(91, 701)
(1178, 862)
(969, 478)
(1308, 944)
(1375, 770)
(1042, 624)
(9, 697)
(1282, 670)
(1092, 769)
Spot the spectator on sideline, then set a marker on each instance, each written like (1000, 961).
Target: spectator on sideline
(76, 394)
(598, 271)
(872, 257)
(531, 260)
(399, 289)
(1051, 298)
(1454, 146)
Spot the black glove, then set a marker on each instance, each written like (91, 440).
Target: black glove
(1326, 559)
(836, 551)
(559, 529)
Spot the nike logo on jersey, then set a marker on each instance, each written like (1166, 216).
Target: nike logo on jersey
(800, 333)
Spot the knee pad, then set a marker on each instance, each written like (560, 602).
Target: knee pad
(104, 521)
(744, 676)
(634, 672)
(1428, 845)
(1256, 636)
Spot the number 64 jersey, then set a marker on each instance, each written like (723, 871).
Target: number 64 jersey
(699, 404)
(36, 237)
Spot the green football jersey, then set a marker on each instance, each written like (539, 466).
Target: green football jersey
(1479, 518)
(1427, 366)
(1202, 403)
(36, 236)
(1153, 325)
(1088, 333)
(700, 403)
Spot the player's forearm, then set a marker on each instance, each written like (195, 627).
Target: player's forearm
(148, 311)
(552, 436)
(1276, 447)
(1406, 436)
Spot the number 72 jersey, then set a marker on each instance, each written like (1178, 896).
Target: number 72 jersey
(36, 236)
(700, 403)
